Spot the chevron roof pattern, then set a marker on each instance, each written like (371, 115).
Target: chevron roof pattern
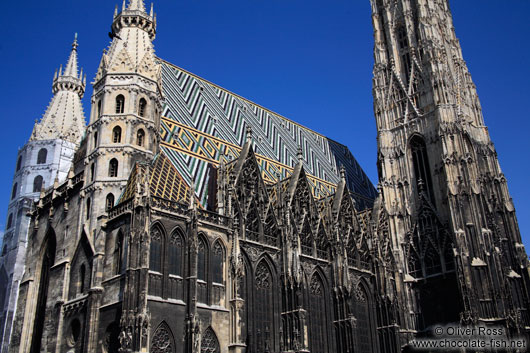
(202, 121)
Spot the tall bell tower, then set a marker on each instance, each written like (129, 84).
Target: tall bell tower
(126, 105)
(452, 219)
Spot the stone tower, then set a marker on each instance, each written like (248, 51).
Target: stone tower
(47, 157)
(126, 106)
(452, 220)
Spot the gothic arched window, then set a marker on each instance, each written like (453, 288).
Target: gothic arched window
(306, 240)
(176, 244)
(37, 183)
(403, 44)
(317, 315)
(118, 253)
(162, 341)
(141, 107)
(109, 202)
(82, 274)
(99, 109)
(116, 134)
(19, 163)
(420, 162)
(47, 262)
(88, 204)
(218, 258)
(9, 221)
(95, 139)
(264, 325)
(364, 319)
(42, 155)
(201, 260)
(140, 137)
(113, 168)
(209, 342)
(92, 171)
(155, 252)
(14, 191)
(120, 104)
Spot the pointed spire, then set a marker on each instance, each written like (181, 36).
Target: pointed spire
(116, 11)
(152, 10)
(136, 5)
(71, 66)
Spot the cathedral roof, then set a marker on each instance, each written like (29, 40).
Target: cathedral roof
(202, 122)
(64, 118)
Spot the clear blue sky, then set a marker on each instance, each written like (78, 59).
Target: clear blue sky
(310, 61)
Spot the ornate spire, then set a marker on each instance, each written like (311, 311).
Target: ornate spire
(64, 117)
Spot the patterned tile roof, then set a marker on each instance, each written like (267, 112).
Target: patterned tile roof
(202, 121)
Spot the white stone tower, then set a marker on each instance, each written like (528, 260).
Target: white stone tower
(45, 158)
(453, 225)
(126, 106)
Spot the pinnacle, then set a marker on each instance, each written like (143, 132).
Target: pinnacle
(136, 5)
(71, 65)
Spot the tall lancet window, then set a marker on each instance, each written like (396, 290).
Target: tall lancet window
(39, 319)
(264, 334)
(175, 254)
(318, 315)
(141, 107)
(113, 168)
(140, 137)
(116, 134)
(14, 191)
(422, 171)
(109, 203)
(37, 183)
(404, 52)
(42, 155)
(120, 104)
(155, 250)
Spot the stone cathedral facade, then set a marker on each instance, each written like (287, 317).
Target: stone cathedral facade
(194, 220)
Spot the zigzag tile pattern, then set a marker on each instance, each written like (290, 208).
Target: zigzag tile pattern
(220, 119)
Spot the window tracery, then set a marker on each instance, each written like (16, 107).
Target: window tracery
(209, 342)
(155, 252)
(175, 254)
(217, 262)
(318, 315)
(162, 341)
(265, 308)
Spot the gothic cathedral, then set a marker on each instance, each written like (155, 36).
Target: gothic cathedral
(188, 219)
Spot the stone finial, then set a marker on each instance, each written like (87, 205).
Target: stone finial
(300, 154)
(421, 185)
(249, 133)
(342, 172)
